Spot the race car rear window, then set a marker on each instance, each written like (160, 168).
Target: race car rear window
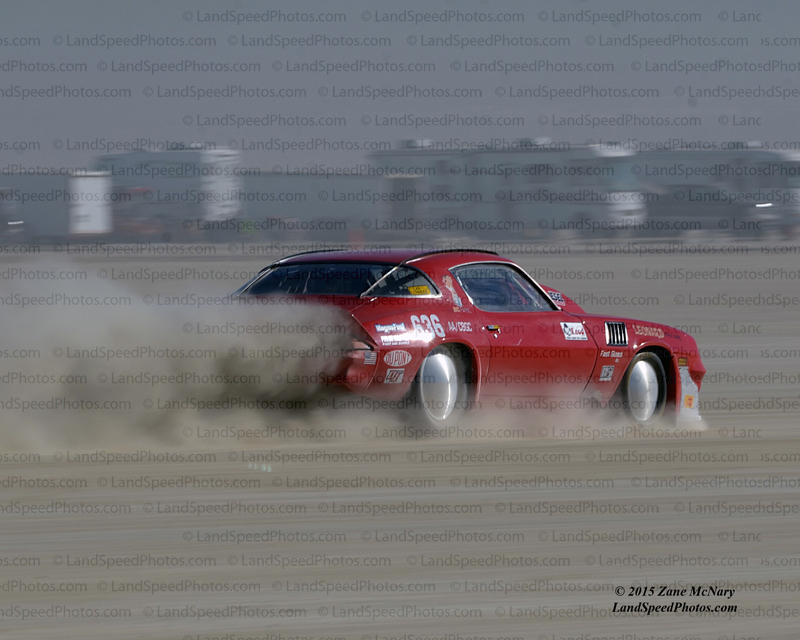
(500, 288)
(342, 278)
(402, 282)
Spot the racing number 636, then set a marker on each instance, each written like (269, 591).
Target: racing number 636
(427, 324)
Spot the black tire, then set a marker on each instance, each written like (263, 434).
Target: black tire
(644, 389)
(439, 394)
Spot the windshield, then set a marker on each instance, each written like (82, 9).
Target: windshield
(341, 278)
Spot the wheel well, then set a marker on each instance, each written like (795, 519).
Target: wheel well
(664, 355)
(472, 366)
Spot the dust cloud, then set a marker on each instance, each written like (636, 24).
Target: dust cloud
(89, 362)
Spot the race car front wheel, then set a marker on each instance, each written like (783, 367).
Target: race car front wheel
(644, 388)
(439, 392)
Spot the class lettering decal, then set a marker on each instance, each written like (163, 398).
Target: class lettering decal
(463, 327)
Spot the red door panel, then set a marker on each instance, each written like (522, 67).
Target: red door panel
(537, 353)
(534, 349)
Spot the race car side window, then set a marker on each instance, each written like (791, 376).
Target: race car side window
(500, 288)
(342, 278)
(403, 282)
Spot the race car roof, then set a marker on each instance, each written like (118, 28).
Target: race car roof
(387, 256)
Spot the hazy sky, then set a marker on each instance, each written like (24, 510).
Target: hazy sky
(509, 57)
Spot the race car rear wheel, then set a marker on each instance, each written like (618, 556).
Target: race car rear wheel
(439, 391)
(644, 388)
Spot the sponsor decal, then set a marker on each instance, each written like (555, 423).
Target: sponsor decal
(556, 297)
(370, 357)
(421, 290)
(397, 358)
(394, 376)
(463, 327)
(655, 332)
(401, 339)
(611, 354)
(574, 331)
(683, 361)
(689, 409)
(448, 284)
(607, 373)
(388, 328)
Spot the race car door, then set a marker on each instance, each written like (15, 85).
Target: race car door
(534, 349)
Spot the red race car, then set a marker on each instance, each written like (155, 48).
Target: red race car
(445, 331)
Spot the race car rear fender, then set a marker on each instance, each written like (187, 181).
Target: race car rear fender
(373, 379)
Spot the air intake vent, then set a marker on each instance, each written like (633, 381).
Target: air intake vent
(616, 334)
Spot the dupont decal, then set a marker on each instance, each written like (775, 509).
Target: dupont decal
(397, 358)
(394, 376)
(556, 297)
(390, 328)
(574, 331)
(654, 332)
(607, 373)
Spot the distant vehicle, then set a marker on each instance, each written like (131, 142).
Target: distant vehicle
(538, 188)
(582, 190)
(173, 195)
(12, 226)
(438, 333)
(747, 190)
(686, 207)
(775, 189)
(38, 207)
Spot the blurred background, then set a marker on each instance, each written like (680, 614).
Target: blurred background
(134, 123)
